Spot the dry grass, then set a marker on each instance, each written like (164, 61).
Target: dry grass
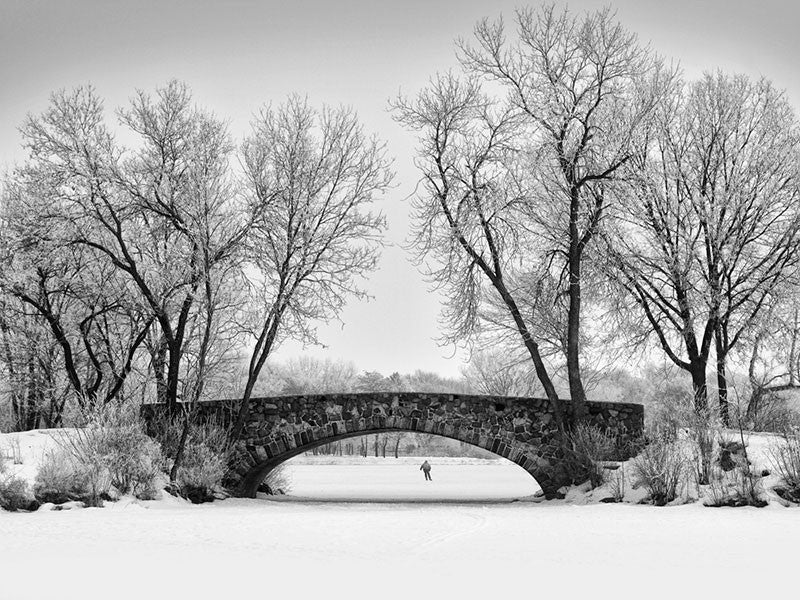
(660, 468)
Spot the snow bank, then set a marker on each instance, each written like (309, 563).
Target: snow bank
(23, 451)
(758, 446)
(389, 479)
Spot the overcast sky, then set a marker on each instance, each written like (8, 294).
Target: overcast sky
(239, 55)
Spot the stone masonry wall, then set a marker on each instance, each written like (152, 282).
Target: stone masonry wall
(522, 430)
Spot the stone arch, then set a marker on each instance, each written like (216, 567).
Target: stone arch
(247, 482)
(522, 430)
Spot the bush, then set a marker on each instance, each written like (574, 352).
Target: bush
(60, 479)
(703, 428)
(616, 484)
(204, 462)
(785, 459)
(675, 418)
(111, 450)
(201, 471)
(737, 487)
(12, 451)
(14, 493)
(771, 413)
(588, 446)
(667, 416)
(131, 458)
(660, 469)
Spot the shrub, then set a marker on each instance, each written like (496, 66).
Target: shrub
(771, 413)
(112, 449)
(667, 416)
(588, 446)
(737, 487)
(60, 479)
(132, 459)
(13, 450)
(616, 484)
(785, 459)
(674, 418)
(204, 461)
(201, 471)
(660, 469)
(167, 433)
(703, 428)
(14, 493)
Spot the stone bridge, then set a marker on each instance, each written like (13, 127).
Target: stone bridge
(523, 430)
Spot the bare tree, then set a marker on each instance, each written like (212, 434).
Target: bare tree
(491, 373)
(515, 189)
(308, 375)
(774, 352)
(79, 300)
(161, 216)
(711, 228)
(467, 213)
(311, 176)
(583, 87)
(372, 381)
(428, 381)
(31, 365)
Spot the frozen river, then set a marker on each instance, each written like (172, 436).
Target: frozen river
(454, 480)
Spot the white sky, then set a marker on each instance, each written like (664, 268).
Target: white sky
(238, 55)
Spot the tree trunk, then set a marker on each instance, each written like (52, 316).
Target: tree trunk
(697, 369)
(793, 361)
(257, 360)
(244, 409)
(722, 382)
(533, 350)
(30, 418)
(576, 391)
(158, 357)
(173, 473)
(753, 402)
(173, 378)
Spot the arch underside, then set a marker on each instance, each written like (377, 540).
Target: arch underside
(256, 460)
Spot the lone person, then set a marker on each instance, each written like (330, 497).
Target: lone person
(426, 468)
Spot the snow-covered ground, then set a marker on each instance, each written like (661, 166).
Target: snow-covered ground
(486, 548)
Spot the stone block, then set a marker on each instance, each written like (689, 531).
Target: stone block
(257, 453)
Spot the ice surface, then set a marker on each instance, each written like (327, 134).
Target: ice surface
(389, 479)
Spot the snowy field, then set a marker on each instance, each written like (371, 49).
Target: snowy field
(461, 536)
